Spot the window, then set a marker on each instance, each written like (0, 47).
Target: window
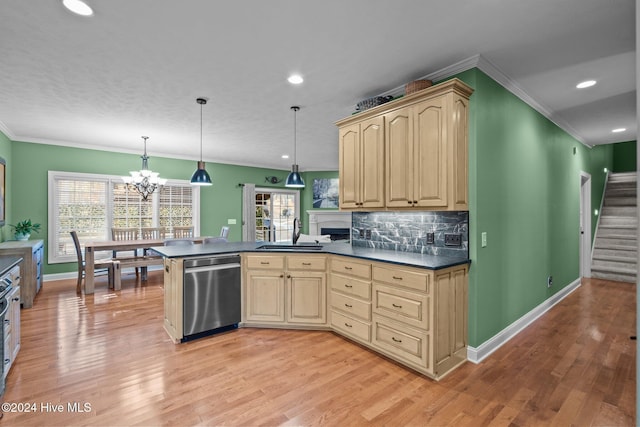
(91, 204)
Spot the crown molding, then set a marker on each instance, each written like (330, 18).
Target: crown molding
(491, 70)
(6, 131)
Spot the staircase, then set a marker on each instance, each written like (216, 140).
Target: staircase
(615, 253)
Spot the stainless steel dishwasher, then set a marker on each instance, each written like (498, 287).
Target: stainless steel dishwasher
(211, 293)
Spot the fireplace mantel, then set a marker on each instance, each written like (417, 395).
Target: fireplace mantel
(327, 219)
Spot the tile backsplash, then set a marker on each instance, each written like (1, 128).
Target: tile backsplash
(407, 231)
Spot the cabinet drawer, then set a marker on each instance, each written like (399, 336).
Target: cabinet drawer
(306, 262)
(354, 307)
(400, 277)
(404, 343)
(351, 268)
(347, 285)
(265, 262)
(351, 326)
(405, 306)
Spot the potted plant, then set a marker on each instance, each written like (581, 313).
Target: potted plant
(23, 229)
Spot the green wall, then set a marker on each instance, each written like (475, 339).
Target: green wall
(30, 164)
(624, 157)
(524, 190)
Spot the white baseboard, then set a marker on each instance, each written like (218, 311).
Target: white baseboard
(74, 274)
(477, 355)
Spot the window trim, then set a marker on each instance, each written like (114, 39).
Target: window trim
(52, 176)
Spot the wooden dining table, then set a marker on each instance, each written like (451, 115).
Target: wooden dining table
(90, 249)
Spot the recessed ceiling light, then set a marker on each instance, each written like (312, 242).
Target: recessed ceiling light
(618, 130)
(295, 79)
(285, 156)
(585, 84)
(78, 7)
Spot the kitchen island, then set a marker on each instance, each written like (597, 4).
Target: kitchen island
(409, 307)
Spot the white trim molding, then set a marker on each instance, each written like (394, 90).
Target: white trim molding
(477, 355)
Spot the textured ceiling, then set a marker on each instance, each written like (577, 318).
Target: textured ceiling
(137, 66)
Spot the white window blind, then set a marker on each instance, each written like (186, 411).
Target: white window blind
(91, 204)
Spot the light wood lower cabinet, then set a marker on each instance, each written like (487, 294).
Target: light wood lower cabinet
(32, 253)
(285, 290)
(173, 297)
(351, 298)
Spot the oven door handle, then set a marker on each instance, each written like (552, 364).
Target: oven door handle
(191, 270)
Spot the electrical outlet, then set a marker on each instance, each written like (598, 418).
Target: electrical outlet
(549, 281)
(430, 238)
(361, 233)
(367, 234)
(453, 239)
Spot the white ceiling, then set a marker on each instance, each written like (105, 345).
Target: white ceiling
(137, 66)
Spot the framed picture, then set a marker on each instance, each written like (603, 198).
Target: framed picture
(325, 192)
(3, 180)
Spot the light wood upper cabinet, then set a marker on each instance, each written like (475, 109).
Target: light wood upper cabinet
(425, 151)
(361, 157)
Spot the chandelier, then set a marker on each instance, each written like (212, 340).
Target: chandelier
(144, 181)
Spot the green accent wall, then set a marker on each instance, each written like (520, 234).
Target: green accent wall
(31, 162)
(624, 157)
(524, 190)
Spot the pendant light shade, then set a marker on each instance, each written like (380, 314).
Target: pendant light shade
(294, 179)
(200, 176)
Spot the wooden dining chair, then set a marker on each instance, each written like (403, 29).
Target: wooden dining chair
(182, 232)
(125, 233)
(112, 266)
(153, 233)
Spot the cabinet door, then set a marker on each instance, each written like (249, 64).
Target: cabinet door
(173, 298)
(306, 298)
(460, 156)
(349, 166)
(430, 154)
(372, 163)
(399, 147)
(265, 296)
(14, 317)
(451, 319)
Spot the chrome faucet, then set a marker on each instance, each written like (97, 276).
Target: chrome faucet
(296, 230)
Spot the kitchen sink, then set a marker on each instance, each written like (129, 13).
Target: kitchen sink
(275, 247)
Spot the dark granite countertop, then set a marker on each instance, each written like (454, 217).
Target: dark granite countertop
(7, 263)
(411, 259)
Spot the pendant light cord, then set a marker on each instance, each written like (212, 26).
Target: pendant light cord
(295, 133)
(200, 132)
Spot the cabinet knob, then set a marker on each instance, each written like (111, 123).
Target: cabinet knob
(288, 276)
(415, 202)
(409, 201)
(282, 275)
(166, 269)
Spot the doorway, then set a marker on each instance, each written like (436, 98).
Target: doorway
(585, 224)
(275, 211)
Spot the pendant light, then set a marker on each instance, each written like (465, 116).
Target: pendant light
(144, 181)
(294, 180)
(200, 176)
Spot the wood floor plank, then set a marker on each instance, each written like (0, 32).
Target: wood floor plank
(573, 366)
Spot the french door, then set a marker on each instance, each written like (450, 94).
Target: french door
(275, 211)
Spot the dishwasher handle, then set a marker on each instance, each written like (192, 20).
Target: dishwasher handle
(191, 270)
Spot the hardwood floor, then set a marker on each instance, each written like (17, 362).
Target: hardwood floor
(573, 366)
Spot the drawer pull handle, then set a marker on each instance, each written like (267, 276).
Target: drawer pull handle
(395, 339)
(264, 262)
(348, 286)
(396, 305)
(397, 278)
(348, 305)
(348, 325)
(348, 268)
(306, 263)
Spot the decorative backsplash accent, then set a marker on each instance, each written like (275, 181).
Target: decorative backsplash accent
(407, 231)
